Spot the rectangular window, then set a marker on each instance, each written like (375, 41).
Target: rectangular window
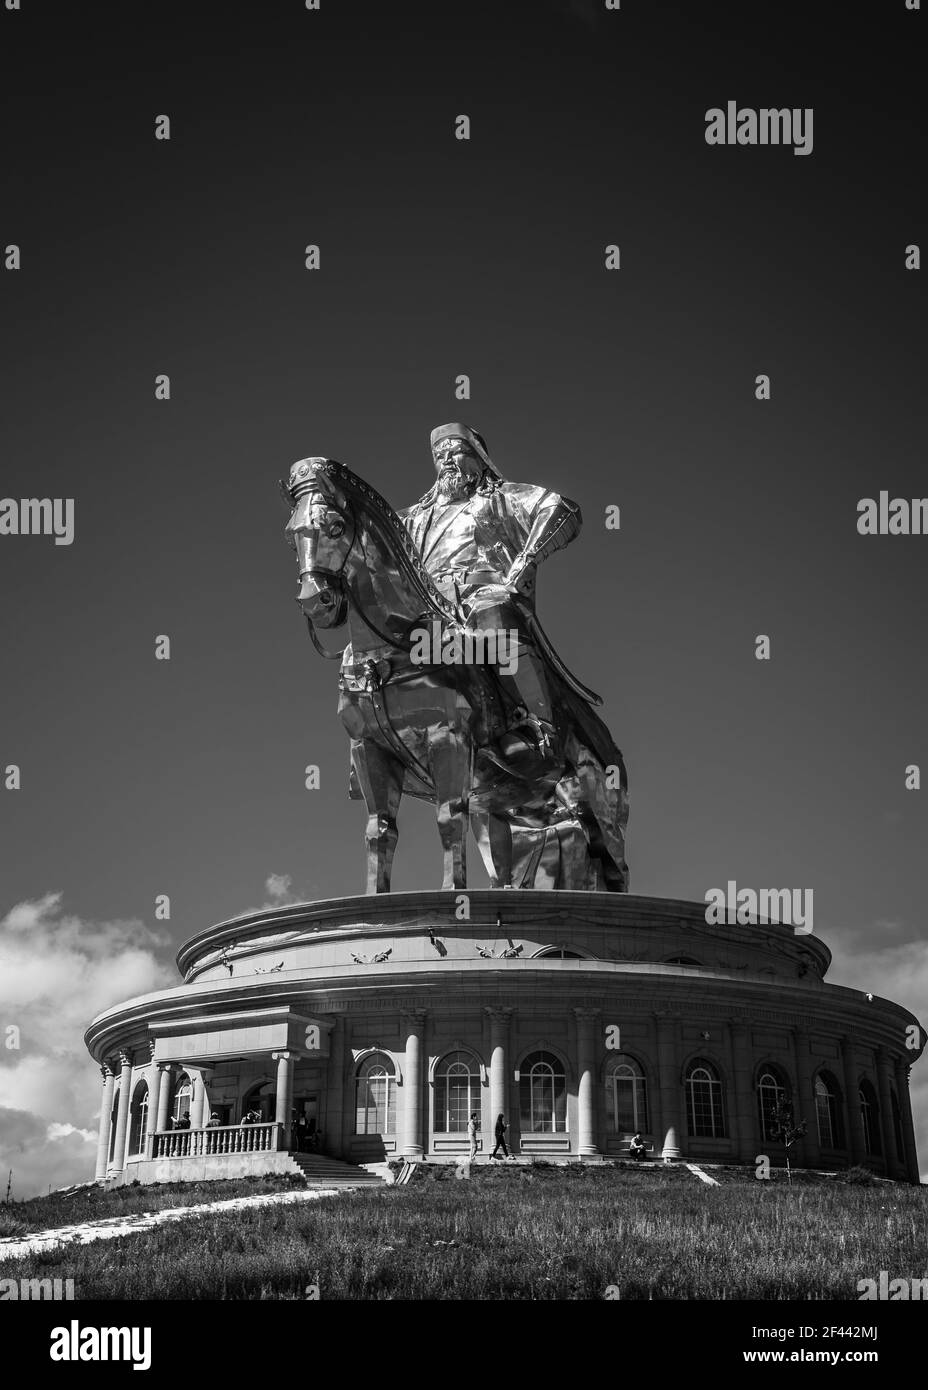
(826, 1132)
(543, 1103)
(376, 1106)
(705, 1117)
(456, 1098)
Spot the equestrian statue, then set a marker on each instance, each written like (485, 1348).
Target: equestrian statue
(510, 746)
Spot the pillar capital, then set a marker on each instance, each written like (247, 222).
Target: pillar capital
(107, 1071)
(586, 1014)
(284, 1056)
(414, 1017)
(125, 1057)
(497, 1014)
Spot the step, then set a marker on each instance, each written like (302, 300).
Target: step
(322, 1171)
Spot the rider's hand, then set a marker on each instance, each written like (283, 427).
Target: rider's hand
(521, 576)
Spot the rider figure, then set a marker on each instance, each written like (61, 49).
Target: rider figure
(481, 540)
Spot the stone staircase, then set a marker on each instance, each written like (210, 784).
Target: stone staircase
(319, 1171)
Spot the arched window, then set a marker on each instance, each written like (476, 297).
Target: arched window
(626, 1096)
(681, 960)
(183, 1093)
(828, 1111)
(897, 1127)
(542, 1094)
(771, 1092)
(704, 1101)
(870, 1119)
(457, 1092)
(138, 1119)
(375, 1096)
(562, 952)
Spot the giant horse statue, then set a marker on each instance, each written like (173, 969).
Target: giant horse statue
(435, 730)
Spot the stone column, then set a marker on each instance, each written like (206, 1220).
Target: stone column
(197, 1098)
(586, 1082)
(499, 1065)
(335, 1091)
(154, 1096)
(742, 1107)
(669, 1072)
(807, 1149)
(413, 1020)
(206, 1076)
(284, 1099)
(887, 1130)
(655, 1112)
(106, 1117)
(855, 1129)
(122, 1113)
(905, 1116)
(164, 1094)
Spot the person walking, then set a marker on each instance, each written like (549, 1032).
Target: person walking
(499, 1133)
(472, 1136)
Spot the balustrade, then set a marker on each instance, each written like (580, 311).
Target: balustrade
(216, 1139)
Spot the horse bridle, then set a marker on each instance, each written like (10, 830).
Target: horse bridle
(334, 576)
(331, 577)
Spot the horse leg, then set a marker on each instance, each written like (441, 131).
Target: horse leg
(449, 764)
(380, 778)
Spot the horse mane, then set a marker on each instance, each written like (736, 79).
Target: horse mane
(398, 540)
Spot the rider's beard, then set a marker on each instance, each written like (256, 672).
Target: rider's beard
(453, 484)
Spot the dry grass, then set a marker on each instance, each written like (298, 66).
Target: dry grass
(99, 1203)
(523, 1233)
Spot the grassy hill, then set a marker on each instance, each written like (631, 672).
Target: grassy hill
(523, 1233)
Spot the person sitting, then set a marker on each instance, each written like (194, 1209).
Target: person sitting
(213, 1121)
(637, 1149)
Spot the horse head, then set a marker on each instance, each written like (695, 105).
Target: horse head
(322, 530)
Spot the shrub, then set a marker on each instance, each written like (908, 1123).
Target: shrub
(858, 1176)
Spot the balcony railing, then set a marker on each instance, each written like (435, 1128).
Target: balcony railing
(216, 1139)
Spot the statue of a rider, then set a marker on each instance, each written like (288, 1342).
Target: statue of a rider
(481, 539)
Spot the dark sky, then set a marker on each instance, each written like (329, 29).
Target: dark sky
(439, 257)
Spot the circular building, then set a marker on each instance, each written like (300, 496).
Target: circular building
(368, 1028)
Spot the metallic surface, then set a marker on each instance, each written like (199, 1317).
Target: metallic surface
(517, 753)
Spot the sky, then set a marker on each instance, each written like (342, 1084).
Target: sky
(633, 387)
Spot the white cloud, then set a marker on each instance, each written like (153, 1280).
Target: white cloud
(278, 886)
(56, 972)
(900, 973)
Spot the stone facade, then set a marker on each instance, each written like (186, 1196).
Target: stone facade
(371, 1028)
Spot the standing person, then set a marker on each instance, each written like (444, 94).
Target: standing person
(499, 1133)
(472, 1136)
